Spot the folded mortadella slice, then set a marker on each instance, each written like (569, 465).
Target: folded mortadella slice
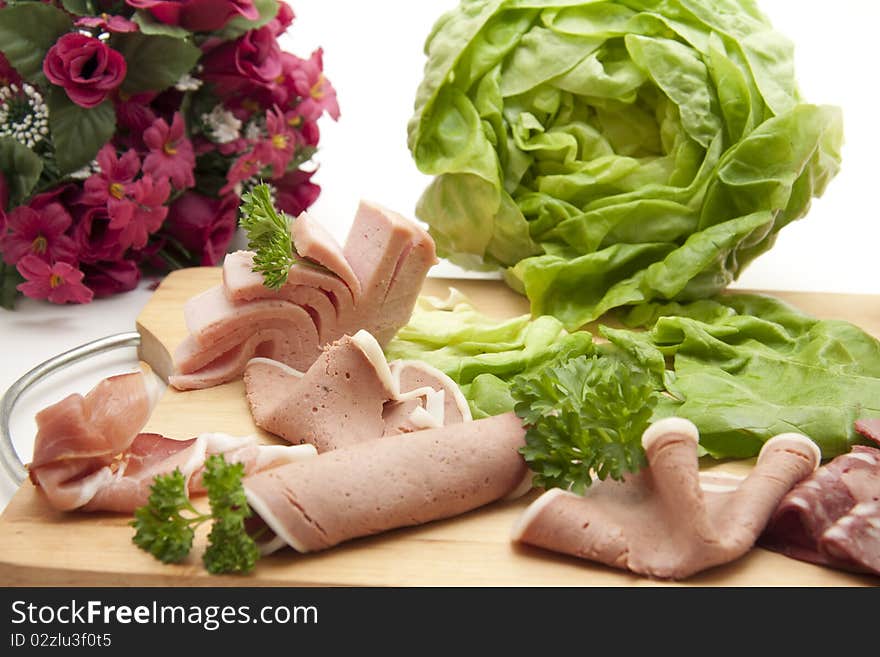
(665, 521)
(397, 481)
(372, 284)
(351, 394)
(337, 402)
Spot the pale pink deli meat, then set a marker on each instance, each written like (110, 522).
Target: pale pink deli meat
(372, 283)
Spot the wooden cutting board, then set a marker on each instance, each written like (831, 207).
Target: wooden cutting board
(40, 546)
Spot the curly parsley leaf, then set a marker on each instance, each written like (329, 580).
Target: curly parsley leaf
(166, 525)
(269, 236)
(585, 416)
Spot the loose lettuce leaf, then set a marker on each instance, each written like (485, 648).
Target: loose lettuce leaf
(744, 368)
(613, 153)
(482, 354)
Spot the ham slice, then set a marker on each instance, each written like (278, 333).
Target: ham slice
(833, 517)
(870, 429)
(349, 395)
(89, 455)
(397, 481)
(372, 283)
(664, 521)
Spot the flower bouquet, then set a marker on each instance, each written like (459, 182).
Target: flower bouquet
(130, 128)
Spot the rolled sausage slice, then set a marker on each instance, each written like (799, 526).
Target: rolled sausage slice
(395, 481)
(668, 521)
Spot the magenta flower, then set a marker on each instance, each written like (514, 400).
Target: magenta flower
(113, 184)
(96, 239)
(85, 67)
(4, 200)
(197, 15)
(250, 62)
(244, 167)
(317, 94)
(203, 225)
(40, 233)
(8, 74)
(171, 153)
(149, 199)
(295, 192)
(106, 278)
(108, 23)
(59, 283)
(276, 150)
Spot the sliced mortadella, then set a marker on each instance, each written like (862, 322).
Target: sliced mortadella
(315, 243)
(337, 402)
(372, 284)
(662, 522)
(396, 481)
(351, 394)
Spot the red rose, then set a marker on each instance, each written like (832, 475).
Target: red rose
(203, 225)
(197, 15)
(251, 62)
(87, 68)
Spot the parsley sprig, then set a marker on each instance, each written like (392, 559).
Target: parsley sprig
(584, 416)
(269, 236)
(166, 525)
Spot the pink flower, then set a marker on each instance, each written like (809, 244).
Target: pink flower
(283, 19)
(39, 233)
(108, 23)
(113, 185)
(106, 278)
(171, 153)
(244, 167)
(134, 115)
(203, 225)
(87, 68)
(276, 150)
(96, 239)
(250, 62)
(317, 94)
(149, 199)
(59, 283)
(295, 192)
(197, 15)
(4, 200)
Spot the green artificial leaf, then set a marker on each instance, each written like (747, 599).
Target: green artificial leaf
(268, 9)
(27, 31)
(155, 62)
(604, 154)
(9, 279)
(21, 167)
(78, 133)
(80, 7)
(150, 26)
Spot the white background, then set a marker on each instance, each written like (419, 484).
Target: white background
(373, 56)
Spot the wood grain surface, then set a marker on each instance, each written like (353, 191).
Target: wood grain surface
(43, 547)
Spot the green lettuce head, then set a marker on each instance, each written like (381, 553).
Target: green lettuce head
(610, 153)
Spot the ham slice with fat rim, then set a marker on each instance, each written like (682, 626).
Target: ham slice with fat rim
(833, 517)
(664, 521)
(351, 394)
(372, 284)
(89, 455)
(397, 481)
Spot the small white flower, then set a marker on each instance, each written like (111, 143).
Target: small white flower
(89, 169)
(222, 124)
(24, 115)
(254, 130)
(187, 83)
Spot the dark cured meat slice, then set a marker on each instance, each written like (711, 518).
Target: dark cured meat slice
(833, 517)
